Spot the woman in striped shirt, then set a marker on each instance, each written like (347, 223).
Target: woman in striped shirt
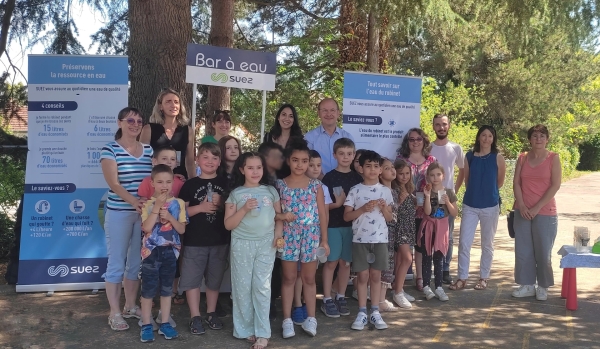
(125, 163)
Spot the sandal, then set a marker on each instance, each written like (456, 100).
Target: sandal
(196, 325)
(481, 284)
(419, 284)
(117, 323)
(213, 321)
(251, 339)
(458, 285)
(132, 313)
(260, 343)
(178, 299)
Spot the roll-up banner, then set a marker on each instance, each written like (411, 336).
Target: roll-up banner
(73, 107)
(379, 109)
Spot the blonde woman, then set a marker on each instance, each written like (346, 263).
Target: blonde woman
(169, 125)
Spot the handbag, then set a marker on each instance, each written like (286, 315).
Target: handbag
(510, 220)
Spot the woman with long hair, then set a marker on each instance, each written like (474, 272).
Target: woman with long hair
(285, 127)
(484, 176)
(169, 125)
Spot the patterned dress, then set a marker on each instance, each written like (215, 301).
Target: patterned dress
(419, 176)
(404, 226)
(387, 276)
(302, 235)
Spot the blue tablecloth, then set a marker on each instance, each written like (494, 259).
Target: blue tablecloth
(573, 259)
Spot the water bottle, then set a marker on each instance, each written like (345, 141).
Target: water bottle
(209, 193)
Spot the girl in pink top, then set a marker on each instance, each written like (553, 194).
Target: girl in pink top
(537, 179)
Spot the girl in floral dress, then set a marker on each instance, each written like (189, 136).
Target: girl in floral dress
(305, 230)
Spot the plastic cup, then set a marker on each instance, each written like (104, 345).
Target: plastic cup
(337, 191)
(321, 254)
(420, 198)
(370, 257)
(255, 211)
(441, 194)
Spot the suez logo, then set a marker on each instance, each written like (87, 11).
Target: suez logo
(62, 270)
(222, 77)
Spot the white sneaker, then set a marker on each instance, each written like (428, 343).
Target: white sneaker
(360, 322)
(408, 297)
(377, 321)
(524, 291)
(355, 294)
(387, 306)
(171, 321)
(541, 293)
(310, 326)
(402, 301)
(428, 292)
(440, 294)
(288, 328)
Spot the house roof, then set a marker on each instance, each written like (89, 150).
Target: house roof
(17, 119)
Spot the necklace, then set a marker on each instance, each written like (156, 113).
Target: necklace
(483, 157)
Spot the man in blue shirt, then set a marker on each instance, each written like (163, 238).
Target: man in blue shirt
(322, 138)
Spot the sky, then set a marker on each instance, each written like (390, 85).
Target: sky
(88, 22)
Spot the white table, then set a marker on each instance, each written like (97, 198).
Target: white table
(571, 260)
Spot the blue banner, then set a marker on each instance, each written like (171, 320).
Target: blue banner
(379, 109)
(73, 107)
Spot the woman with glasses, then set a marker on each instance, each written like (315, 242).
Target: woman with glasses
(415, 150)
(484, 176)
(221, 122)
(125, 163)
(285, 127)
(169, 126)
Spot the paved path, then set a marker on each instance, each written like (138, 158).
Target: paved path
(471, 319)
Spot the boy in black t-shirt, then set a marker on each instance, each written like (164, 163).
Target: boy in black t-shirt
(339, 231)
(206, 241)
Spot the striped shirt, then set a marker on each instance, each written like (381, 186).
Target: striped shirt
(131, 172)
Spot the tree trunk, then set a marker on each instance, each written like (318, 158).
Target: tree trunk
(159, 33)
(352, 46)
(373, 44)
(221, 34)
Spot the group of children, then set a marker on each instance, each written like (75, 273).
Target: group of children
(359, 216)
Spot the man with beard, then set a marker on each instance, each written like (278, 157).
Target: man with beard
(447, 154)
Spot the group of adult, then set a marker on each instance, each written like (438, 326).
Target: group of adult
(127, 160)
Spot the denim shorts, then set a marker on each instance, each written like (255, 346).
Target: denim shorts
(158, 270)
(123, 232)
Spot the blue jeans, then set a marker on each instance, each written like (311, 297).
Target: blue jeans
(448, 257)
(158, 270)
(123, 231)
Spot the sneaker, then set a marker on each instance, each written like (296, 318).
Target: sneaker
(524, 291)
(329, 309)
(409, 277)
(428, 292)
(541, 293)
(153, 323)
(131, 313)
(298, 316)
(447, 279)
(147, 334)
(408, 297)
(377, 321)
(355, 293)
(360, 322)
(342, 306)
(167, 331)
(440, 294)
(171, 321)
(310, 326)
(288, 328)
(387, 306)
(402, 301)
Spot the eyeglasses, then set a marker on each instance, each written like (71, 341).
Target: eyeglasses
(132, 121)
(416, 140)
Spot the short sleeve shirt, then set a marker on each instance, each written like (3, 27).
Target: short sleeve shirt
(261, 226)
(448, 156)
(131, 172)
(205, 229)
(440, 210)
(369, 227)
(146, 190)
(163, 233)
(318, 139)
(326, 193)
(346, 180)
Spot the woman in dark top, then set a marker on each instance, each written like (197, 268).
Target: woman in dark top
(286, 126)
(169, 126)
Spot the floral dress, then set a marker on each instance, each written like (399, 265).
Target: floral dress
(403, 227)
(419, 176)
(302, 235)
